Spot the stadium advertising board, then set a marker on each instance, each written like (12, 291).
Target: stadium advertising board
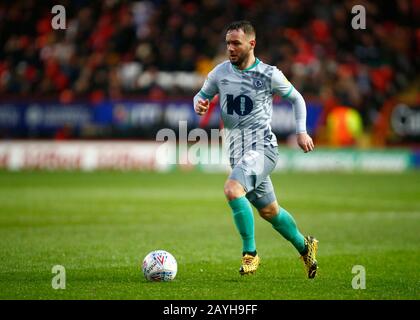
(153, 156)
(86, 156)
(134, 119)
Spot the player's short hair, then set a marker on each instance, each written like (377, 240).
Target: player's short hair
(244, 25)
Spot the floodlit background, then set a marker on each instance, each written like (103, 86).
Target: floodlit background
(82, 183)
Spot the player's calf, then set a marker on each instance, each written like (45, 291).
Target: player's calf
(269, 211)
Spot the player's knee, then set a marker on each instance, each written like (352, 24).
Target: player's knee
(269, 211)
(233, 190)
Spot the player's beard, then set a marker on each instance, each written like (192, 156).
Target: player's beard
(240, 58)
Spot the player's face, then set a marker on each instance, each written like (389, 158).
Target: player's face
(238, 46)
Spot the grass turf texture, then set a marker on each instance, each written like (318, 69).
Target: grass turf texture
(101, 225)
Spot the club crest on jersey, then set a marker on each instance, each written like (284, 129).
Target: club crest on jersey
(258, 84)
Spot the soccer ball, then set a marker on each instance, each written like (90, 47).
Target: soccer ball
(160, 265)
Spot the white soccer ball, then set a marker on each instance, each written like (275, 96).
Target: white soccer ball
(160, 265)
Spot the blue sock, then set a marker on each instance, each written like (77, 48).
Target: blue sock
(284, 223)
(244, 221)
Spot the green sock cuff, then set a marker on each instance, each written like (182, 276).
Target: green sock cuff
(237, 203)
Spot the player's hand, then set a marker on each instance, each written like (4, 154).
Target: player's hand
(202, 106)
(305, 142)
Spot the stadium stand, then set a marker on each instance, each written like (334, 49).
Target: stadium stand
(160, 49)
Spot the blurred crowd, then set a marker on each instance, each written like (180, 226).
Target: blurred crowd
(120, 49)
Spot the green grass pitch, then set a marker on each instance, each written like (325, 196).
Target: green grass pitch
(100, 225)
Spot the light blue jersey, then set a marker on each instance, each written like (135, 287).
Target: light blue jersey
(246, 100)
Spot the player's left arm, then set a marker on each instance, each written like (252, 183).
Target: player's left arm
(299, 109)
(283, 87)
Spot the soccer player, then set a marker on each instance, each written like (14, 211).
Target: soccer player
(245, 86)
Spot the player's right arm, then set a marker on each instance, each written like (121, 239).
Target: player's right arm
(201, 106)
(205, 95)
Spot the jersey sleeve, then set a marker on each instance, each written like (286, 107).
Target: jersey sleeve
(280, 85)
(209, 88)
(299, 109)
